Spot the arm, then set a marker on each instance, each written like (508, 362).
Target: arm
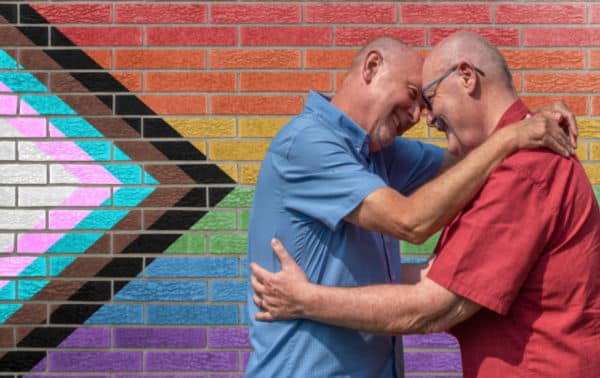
(418, 216)
(388, 309)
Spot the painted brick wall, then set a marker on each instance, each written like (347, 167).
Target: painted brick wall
(131, 134)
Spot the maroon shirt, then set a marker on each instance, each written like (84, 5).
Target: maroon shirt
(527, 249)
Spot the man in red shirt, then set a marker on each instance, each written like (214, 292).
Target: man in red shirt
(515, 274)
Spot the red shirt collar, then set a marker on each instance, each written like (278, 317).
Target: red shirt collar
(516, 112)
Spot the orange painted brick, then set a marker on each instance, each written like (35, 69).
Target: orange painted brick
(255, 13)
(190, 81)
(445, 14)
(497, 36)
(102, 57)
(237, 58)
(545, 59)
(586, 36)
(284, 81)
(263, 105)
(358, 36)
(329, 58)
(103, 36)
(595, 105)
(540, 14)
(75, 13)
(131, 80)
(595, 59)
(563, 82)
(160, 13)
(155, 59)
(191, 36)
(348, 13)
(175, 104)
(516, 78)
(577, 104)
(286, 36)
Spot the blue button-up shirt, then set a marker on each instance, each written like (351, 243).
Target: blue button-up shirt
(316, 171)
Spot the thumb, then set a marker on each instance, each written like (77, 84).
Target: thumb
(280, 252)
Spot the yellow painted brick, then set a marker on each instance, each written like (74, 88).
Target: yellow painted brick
(201, 146)
(203, 127)
(231, 170)
(593, 172)
(582, 150)
(434, 133)
(595, 147)
(589, 127)
(418, 131)
(249, 173)
(261, 127)
(237, 150)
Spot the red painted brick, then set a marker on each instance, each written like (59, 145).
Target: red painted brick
(595, 59)
(497, 36)
(545, 59)
(284, 81)
(540, 14)
(286, 36)
(595, 14)
(160, 13)
(563, 82)
(338, 13)
(102, 57)
(175, 104)
(190, 81)
(263, 105)
(445, 14)
(562, 37)
(131, 80)
(191, 36)
(595, 105)
(75, 13)
(156, 59)
(577, 104)
(255, 13)
(358, 36)
(330, 59)
(103, 36)
(236, 58)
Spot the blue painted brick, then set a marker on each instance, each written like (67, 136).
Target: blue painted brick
(26, 289)
(211, 267)
(75, 127)
(7, 309)
(245, 314)
(127, 174)
(8, 292)
(118, 314)
(163, 291)
(35, 269)
(245, 269)
(58, 264)
(228, 291)
(192, 314)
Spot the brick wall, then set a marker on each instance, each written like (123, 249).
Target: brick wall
(131, 134)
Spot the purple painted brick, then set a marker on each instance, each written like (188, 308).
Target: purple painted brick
(228, 338)
(432, 362)
(95, 361)
(435, 340)
(88, 338)
(66, 376)
(226, 375)
(245, 358)
(41, 366)
(159, 337)
(192, 361)
(161, 376)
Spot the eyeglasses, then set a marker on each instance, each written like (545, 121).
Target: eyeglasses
(427, 99)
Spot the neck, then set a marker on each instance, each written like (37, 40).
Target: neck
(348, 104)
(498, 102)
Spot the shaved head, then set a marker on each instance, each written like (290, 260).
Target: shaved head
(388, 47)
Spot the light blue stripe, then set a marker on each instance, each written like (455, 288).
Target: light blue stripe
(75, 127)
(99, 151)
(127, 174)
(48, 104)
(58, 264)
(36, 269)
(7, 62)
(148, 179)
(22, 82)
(6, 310)
(117, 314)
(101, 220)
(29, 288)
(131, 196)
(74, 243)
(8, 292)
(119, 155)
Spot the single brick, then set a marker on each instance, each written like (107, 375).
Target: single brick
(261, 127)
(238, 197)
(74, 14)
(434, 340)
(23, 266)
(191, 36)
(190, 81)
(8, 196)
(35, 126)
(192, 314)
(593, 173)
(358, 36)
(205, 267)
(117, 314)
(229, 291)
(347, 13)
(64, 151)
(175, 104)
(216, 220)
(255, 14)
(228, 338)
(285, 82)
(497, 36)
(329, 59)
(160, 13)
(196, 127)
(263, 58)
(159, 59)
(261, 105)
(577, 104)
(192, 361)
(26, 289)
(249, 174)
(582, 151)
(228, 244)
(102, 57)
(21, 219)
(100, 36)
(563, 82)
(432, 361)
(8, 104)
(286, 36)
(238, 151)
(159, 337)
(545, 59)
(540, 14)
(445, 14)
(556, 37)
(595, 151)
(88, 338)
(94, 361)
(244, 219)
(188, 244)
(7, 151)
(595, 106)
(163, 291)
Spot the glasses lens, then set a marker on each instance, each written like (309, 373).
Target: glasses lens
(440, 124)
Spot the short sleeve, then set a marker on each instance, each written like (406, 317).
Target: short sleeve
(325, 178)
(486, 253)
(412, 163)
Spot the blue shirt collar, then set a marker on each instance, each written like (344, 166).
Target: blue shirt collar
(321, 105)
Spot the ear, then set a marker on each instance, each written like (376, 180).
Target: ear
(371, 65)
(468, 77)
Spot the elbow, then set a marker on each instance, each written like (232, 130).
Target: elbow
(415, 233)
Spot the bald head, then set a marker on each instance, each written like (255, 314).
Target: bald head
(390, 48)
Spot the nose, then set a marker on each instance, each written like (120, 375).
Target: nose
(430, 119)
(415, 113)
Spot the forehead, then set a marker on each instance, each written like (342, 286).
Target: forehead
(410, 69)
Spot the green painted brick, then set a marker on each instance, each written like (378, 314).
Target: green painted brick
(244, 219)
(188, 244)
(239, 197)
(228, 243)
(425, 248)
(216, 220)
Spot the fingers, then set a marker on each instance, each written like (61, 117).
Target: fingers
(257, 285)
(280, 252)
(261, 274)
(264, 316)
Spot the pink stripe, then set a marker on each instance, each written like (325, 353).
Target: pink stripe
(8, 104)
(87, 197)
(55, 133)
(66, 219)
(26, 109)
(36, 243)
(63, 151)
(5, 88)
(3, 283)
(12, 266)
(28, 126)
(91, 174)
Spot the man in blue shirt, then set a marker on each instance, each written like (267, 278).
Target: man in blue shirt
(337, 187)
